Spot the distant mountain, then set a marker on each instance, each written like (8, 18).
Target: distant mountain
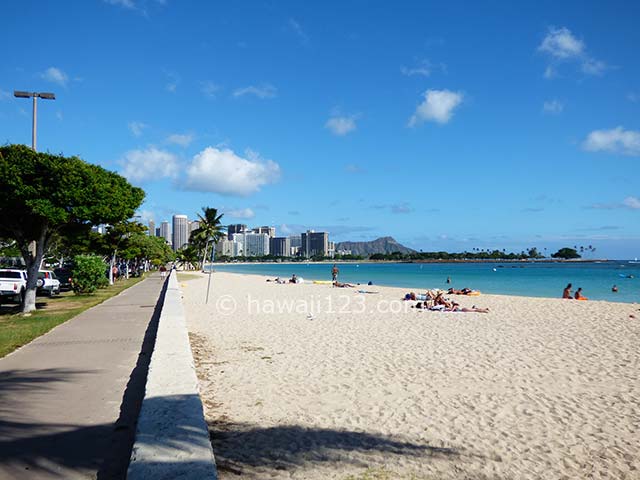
(379, 245)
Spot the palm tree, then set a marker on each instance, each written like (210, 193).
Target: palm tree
(209, 231)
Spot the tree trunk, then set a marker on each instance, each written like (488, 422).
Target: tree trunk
(111, 265)
(33, 265)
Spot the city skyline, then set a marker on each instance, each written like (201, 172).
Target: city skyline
(448, 127)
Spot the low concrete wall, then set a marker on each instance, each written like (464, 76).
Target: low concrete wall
(172, 439)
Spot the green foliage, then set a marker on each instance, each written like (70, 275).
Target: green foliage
(88, 273)
(566, 253)
(209, 230)
(44, 195)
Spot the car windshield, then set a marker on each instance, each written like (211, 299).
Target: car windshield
(10, 275)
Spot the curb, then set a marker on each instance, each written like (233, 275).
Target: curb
(172, 438)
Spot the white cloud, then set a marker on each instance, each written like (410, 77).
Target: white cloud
(632, 202)
(297, 28)
(341, 125)
(182, 139)
(224, 172)
(616, 140)
(438, 106)
(173, 79)
(149, 164)
(239, 212)
(137, 128)
(209, 89)
(553, 107)
(263, 91)
(592, 66)
(562, 46)
(423, 69)
(122, 3)
(560, 43)
(55, 75)
(550, 72)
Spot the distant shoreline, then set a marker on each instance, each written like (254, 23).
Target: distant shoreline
(321, 262)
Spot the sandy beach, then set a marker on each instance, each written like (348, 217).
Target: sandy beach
(313, 382)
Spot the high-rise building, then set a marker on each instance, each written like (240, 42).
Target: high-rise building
(314, 243)
(158, 232)
(280, 246)
(152, 228)
(237, 228)
(271, 231)
(229, 248)
(165, 232)
(296, 240)
(194, 225)
(180, 231)
(254, 244)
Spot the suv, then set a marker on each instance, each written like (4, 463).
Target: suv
(13, 283)
(47, 283)
(64, 275)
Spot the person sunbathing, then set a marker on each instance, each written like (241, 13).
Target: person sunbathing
(342, 285)
(464, 291)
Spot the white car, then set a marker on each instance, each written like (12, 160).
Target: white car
(47, 283)
(13, 283)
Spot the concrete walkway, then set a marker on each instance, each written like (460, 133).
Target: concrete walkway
(70, 399)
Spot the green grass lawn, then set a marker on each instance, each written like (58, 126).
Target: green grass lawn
(183, 277)
(17, 329)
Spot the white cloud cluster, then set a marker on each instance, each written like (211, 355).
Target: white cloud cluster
(149, 164)
(224, 172)
(263, 91)
(239, 212)
(562, 46)
(616, 140)
(209, 89)
(632, 202)
(341, 125)
(554, 107)
(55, 75)
(182, 139)
(438, 106)
(137, 128)
(423, 69)
(560, 43)
(297, 28)
(122, 3)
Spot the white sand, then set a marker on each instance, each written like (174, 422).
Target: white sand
(535, 389)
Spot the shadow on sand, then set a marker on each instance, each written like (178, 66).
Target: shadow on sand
(241, 447)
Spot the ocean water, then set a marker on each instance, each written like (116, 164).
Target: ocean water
(526, 279)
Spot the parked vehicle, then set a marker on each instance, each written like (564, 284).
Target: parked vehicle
(47, 283)
(64, 276)
(13, 284)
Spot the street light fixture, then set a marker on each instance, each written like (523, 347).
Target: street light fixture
(35, 96)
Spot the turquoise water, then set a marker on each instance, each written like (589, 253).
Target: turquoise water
(527, 279)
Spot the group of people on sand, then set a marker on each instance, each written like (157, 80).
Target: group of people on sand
(566, 293)
(435, 300)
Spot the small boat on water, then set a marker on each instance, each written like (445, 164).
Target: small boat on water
(635, 260)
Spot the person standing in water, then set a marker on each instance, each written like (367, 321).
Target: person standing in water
(566, 293)
(448, 279)
(334, 273)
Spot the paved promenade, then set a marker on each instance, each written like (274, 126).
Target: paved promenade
(70, 399)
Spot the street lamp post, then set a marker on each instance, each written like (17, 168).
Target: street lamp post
(35, 96)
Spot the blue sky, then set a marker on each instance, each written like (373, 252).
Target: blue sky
(457, 126)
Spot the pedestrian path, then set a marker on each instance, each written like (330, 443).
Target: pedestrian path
(70, 399)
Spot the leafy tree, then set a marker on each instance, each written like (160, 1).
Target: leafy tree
(88, 273)
(208, 232)
(566, 253)
(117, 240)
(42, 194)
(188, 257)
